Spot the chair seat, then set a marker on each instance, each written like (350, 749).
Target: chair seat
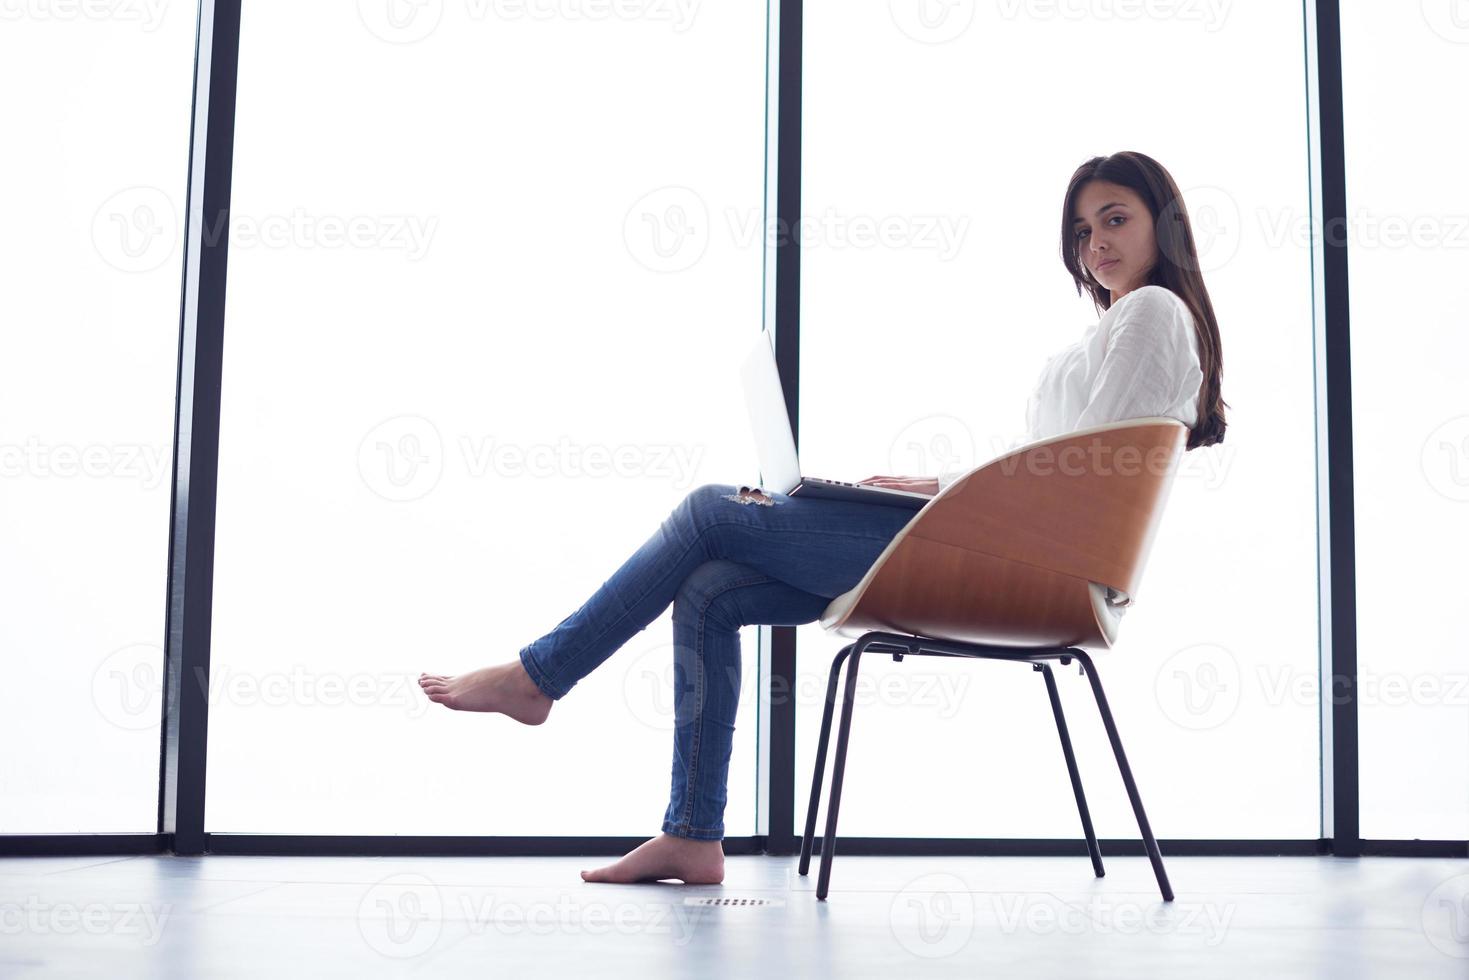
(1108, 605)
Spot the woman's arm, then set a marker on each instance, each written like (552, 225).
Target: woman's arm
(917, 484)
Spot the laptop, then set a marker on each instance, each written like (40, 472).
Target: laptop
(775, 444)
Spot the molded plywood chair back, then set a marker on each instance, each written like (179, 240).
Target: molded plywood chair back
(1044, 546)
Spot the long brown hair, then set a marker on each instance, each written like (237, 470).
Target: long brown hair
(1177, 268)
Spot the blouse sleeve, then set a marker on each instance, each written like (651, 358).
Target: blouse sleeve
(1148, 354)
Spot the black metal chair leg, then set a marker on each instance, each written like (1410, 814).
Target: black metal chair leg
(826, 713)
(834, 803)
(1137, 804)
(1086, 817)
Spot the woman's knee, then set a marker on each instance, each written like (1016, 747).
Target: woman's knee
(709, 592)
(706, 582)
(704, 500)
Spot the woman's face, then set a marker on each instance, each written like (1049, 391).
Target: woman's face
(1114, 236)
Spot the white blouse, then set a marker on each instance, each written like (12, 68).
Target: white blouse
(1141, 359)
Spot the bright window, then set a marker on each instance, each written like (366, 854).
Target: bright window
(939, 141)
(491, 275)
(1409, 252)
(92, 187)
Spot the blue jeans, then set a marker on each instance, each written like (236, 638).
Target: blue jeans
(724, 561)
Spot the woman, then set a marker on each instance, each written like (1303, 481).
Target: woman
(727, 557)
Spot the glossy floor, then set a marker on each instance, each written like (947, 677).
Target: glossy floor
(1007, 917)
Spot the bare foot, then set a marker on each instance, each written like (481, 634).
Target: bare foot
(505, 688)
(694, 862)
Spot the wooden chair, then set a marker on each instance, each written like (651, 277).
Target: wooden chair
(1025, 558)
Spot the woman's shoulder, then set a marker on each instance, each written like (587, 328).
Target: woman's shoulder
(1152, 295)
(1155, 306)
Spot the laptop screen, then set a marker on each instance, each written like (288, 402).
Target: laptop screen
(780, 469)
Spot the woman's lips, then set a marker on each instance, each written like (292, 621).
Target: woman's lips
(1107, 264)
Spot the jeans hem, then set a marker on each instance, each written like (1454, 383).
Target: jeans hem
(692, 833)
(539, 677)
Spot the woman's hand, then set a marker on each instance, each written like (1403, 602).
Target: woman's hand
(916, 484)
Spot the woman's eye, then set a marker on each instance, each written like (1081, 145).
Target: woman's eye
(1115, 217)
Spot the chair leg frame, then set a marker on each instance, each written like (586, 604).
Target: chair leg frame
(1086, 817)
(820, 770)
(899, 645)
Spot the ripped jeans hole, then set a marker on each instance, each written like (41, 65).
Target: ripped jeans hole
(753, 495)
